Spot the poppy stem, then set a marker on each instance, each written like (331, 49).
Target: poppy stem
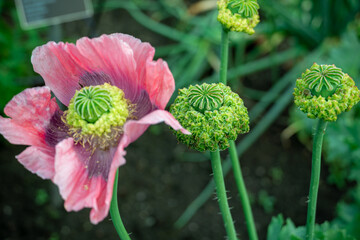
(315, 178)
(221, 195)
(115, 214)
(242, 192)
(224, 55)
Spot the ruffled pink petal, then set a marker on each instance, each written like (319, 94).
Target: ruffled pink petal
(30, 112)
(133, 129)
(39, 161)
(143, 53)
(120, 59)
(159, 82)
(114, 57)
(61, 66)
(78, 189)
(154, 77)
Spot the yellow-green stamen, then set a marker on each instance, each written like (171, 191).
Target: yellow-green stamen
(96, 114)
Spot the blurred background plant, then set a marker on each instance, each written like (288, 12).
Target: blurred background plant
(16, 46)
(263, 68)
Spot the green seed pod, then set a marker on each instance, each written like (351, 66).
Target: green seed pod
(92, 102)
(324, 91)
(238, 15)
(212, 113)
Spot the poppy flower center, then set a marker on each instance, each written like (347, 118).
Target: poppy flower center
(96, 115)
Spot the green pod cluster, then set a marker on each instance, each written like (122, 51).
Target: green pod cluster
(238, 15)
(324, 91)
(221, 117)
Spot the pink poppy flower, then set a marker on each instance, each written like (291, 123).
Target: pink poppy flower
(114, 91)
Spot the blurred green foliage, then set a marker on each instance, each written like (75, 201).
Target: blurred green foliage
(16, 46)
(266, 201)
(311, 21)
(286, 230)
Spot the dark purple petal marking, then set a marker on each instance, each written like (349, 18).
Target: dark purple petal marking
(56, 131)
(94, 78)
(98, 161)
(139, 97)
(143, 105)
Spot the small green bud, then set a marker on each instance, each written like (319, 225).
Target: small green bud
(324, 91)
(212, 113)
(238, 15)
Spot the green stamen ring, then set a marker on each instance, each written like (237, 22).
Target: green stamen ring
(324, 91)
(212, 113)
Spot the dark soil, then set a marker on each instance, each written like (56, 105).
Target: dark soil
(155, 187)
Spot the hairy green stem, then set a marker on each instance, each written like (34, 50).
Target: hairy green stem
(242, 192)
(224, 56)
(315, 178)
(233, 152)
(221, 194)
(115, 214)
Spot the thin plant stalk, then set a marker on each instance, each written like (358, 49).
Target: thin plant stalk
(315, 178)
(250, 224)
(233, 152)
(115, 214)
(221, 195)
(224, 55)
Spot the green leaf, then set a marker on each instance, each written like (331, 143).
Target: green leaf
(274, 228)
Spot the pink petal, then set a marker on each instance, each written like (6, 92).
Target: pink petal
(61, 66)
(154, 77)
(30, 112)
(159, 82)
(39, 161)
(120, 59)
(133, 129)
(114, 57)
(143, 52)
(77, 188)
